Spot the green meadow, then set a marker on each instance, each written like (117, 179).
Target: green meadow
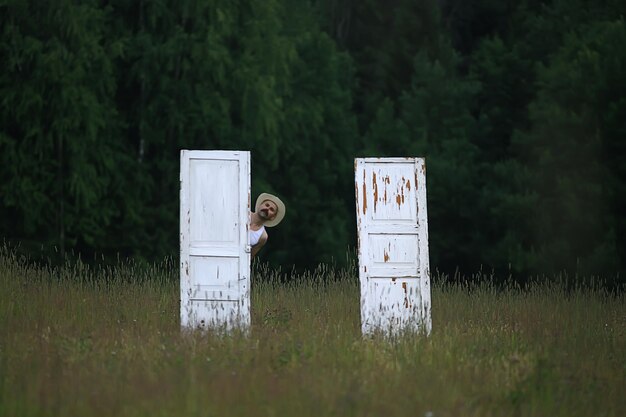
(81, 340)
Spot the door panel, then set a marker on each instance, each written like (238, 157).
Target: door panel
(389, 250)
(214, 278)
(393, 304)
(214, 202)
(213, 314)
(392, 194)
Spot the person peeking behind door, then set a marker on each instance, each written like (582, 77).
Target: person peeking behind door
(268, 212)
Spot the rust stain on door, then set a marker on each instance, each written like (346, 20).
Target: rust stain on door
(375, 187)
(406, 295)
(364, 194)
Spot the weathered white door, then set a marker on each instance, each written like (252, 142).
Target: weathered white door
(214, 250)
(393, 244)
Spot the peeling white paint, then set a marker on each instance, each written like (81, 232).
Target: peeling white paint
(393, 244)
(214, 255)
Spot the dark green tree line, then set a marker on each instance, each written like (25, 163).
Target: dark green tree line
(61, 160)
(518, 108)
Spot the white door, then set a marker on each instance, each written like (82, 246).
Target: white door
(214, 250)
(393, 244)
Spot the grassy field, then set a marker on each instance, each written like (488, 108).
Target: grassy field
(78, 341)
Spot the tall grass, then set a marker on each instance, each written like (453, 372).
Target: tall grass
(85, 341)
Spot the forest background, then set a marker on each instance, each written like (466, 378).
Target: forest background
(519, 108)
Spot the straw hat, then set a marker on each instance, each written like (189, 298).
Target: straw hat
(281, 208)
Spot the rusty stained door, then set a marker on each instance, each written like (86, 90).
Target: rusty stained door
(214, 250)
(393, 244)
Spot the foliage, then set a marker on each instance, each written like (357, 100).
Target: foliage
(572, 151)
(517, 106)
(58, 159)
(434, 121)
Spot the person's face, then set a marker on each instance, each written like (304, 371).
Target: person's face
(268, 210)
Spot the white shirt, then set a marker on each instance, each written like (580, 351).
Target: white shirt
(255, 235)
